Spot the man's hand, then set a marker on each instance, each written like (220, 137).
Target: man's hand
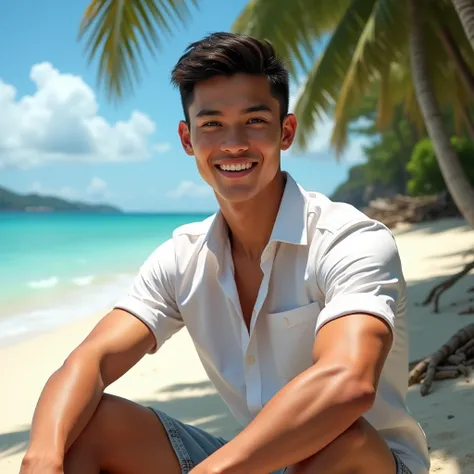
(220, 462)
(41, 464)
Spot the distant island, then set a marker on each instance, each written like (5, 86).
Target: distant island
(14, 202)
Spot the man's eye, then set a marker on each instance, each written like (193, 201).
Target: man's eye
(211, 124)
(256, 120)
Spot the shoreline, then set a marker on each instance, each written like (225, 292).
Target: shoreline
(33, 334)
(45, 311)
(174, 381)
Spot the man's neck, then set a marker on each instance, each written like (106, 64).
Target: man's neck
(251, 222)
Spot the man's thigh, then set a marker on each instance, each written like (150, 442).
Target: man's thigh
(122, 437)
(127, 438)
(359, 450)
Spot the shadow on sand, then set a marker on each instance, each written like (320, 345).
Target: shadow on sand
(434, 227)
(15, 442)
(443, 418)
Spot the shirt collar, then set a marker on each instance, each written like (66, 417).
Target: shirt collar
(291, 221)
(290, 224)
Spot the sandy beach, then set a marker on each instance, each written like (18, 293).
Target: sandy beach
(174, 380)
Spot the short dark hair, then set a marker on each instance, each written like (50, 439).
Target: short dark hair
(226, 54)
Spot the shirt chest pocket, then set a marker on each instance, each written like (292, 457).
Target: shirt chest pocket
(291, 339)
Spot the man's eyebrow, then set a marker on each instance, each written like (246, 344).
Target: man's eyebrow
(248, 110)
(257, 108)
(208, 112)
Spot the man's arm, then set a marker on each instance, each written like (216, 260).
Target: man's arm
(141, 321)
(315, 407)
(73, 392)
(360, 276)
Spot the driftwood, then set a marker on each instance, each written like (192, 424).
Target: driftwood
(451, 360)
(409, 209)
(438, 290)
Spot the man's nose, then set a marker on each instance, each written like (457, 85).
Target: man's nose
(235, 142)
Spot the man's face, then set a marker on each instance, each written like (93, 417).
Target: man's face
(236, 135)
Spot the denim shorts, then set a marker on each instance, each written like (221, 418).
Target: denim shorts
(192, 445)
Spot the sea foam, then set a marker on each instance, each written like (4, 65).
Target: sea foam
(45, 283)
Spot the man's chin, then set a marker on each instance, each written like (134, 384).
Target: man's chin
(236, 194)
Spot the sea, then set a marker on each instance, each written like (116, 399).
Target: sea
(57, 267)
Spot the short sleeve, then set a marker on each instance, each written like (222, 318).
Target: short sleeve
(151, 297)
(360, 272)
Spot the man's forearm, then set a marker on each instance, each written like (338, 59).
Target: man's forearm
(299, 421)
(66, 404)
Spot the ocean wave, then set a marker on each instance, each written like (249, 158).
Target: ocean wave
(83, 281)
(54, 281)
(77, 302)
(45, 283)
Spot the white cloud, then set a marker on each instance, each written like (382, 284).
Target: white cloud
(190, 189)
(319, 144)
(97, 187)
(65, 192)
(162, 147)
(60, 122)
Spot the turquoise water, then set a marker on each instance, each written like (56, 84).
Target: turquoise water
(55, 267)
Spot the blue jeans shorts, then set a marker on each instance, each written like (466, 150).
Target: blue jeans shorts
(192, 445)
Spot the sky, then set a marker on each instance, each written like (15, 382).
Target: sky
(60, 134)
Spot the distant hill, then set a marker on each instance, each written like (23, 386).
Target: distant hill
(358, 192)
(10, 201)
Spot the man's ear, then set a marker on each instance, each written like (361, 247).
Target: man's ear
(288, 131)
(185, 137)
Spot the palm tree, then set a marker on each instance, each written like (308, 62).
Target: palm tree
(465, 10)
(392, 42)
(453, 173)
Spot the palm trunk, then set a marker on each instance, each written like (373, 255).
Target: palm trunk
(454, 53)
(452, 50)
(456, 180)
(465, 11)
(468, 122)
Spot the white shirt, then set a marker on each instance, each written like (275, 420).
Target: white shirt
(323, 260)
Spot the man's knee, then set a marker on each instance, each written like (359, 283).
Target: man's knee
(349, 452)
(121, 436)
(91, 439)
(356, 437)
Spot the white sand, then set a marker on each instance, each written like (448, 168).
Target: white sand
(174, 380)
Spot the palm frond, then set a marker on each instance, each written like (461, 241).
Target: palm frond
(294, 28)
(381, 43)
(117, 30)
(322, 86)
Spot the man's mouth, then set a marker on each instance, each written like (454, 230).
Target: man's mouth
(236, 167)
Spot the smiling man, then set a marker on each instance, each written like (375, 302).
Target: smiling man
(296, 306)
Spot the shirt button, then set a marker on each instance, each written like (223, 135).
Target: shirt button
(286, 321)
(250, 360)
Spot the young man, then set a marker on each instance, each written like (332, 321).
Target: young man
(296, 306)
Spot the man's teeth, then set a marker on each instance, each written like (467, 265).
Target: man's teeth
(239, 167)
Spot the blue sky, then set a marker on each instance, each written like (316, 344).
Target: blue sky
(59, 134)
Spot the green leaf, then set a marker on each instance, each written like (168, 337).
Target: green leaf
(117, 30)
(295, 28)
(323, 84)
